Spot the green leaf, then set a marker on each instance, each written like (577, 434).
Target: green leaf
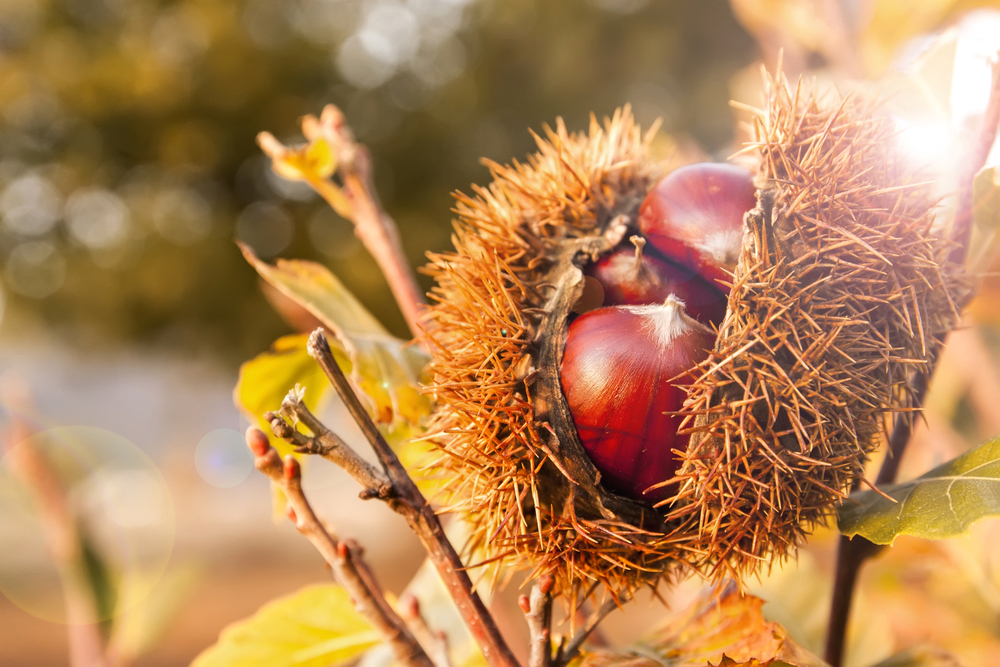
(986, 198)
(384, 367)
(941, 504)
(315, 627)
(265, 380)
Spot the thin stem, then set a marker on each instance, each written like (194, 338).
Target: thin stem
(375, 228)
(570, 650)
(327, 444)
(86, 643)
(407, 500)
(344, 558)
(853, 552)
(538, 612)
(435, 643)
(357, 200)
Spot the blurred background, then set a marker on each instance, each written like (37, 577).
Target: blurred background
(128, 167)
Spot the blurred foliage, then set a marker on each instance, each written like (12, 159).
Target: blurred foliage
(128, 165)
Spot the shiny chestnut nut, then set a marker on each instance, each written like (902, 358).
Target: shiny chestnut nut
(694, 216)
(632, 278)
(621, 374)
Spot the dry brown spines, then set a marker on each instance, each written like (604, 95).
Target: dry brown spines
(841, 295)
(497, 317)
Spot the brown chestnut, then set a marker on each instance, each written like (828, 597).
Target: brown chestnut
(621, 373)
(632, 278)
(694, 216)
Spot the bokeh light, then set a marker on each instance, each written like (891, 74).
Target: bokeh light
(222, 458)
(119, 504)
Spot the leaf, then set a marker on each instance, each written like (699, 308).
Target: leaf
(940, 504)
(384, 368)
(315, 627)
(986, 198)
(719, 626)
(265, 380)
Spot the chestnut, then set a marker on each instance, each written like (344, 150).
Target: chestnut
(631, 278)
(621, 372)
(694, 216)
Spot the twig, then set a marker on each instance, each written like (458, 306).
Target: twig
(538, 612)
(572, 647)
(853, 552)
(974, 161)
(86, 644)
(344, 557)
(327, 444)
(407, 500)
(434, 642)
(357, 201)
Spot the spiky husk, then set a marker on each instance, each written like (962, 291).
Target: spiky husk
(518, 247)
(841, 296)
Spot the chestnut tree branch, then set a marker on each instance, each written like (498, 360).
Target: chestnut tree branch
(327, 444)
(377, 231)
(573, 646)
(344, 557)
(405, 499)
(538, 612)
(853, 552)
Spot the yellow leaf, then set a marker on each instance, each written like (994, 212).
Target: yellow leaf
(385, 368)
(315, 627)
(315, 161)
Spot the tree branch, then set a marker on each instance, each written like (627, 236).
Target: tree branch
(538, 612)
(406, 499)
(327, 444)
(357, 201)
(853, 552)
(572, 648)
(344, 557)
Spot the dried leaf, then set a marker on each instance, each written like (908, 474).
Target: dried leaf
(940, 504)
(727, 628)
(315, 627)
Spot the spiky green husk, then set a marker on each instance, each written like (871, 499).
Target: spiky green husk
(841, 296)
